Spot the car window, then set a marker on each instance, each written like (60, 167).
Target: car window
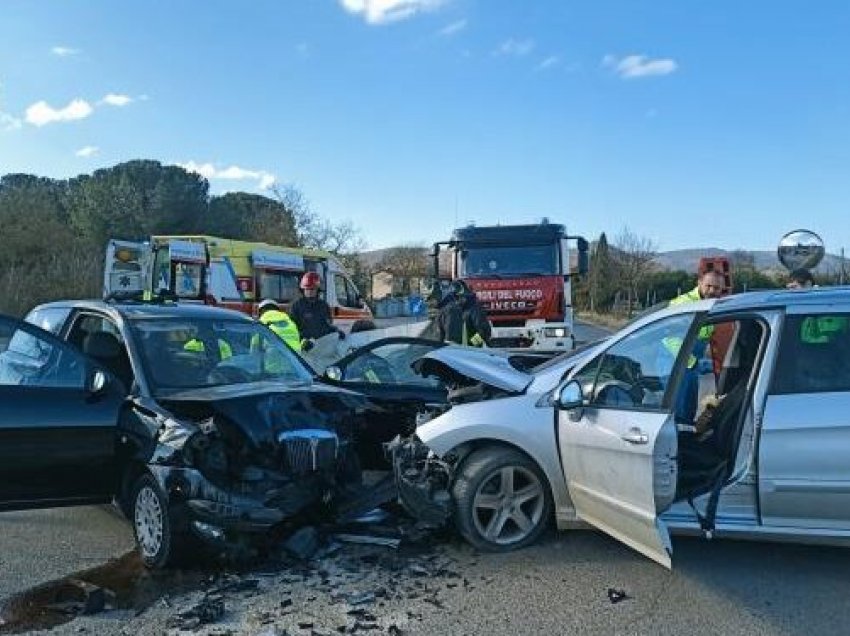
(87, 324)
(389, 364)
(342, 292)
(198, 353)
(29, 357)
(353, 295)
(814, 355)
(635, 372)
(49, 318)
(280, 286)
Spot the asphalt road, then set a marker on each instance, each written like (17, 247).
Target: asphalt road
(41, 545)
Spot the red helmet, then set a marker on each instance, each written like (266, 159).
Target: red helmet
(310, 280)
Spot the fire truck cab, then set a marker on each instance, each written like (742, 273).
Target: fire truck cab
(522, 276)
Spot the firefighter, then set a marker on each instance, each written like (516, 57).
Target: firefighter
(273, 317)
(462, 319)
(311, 314)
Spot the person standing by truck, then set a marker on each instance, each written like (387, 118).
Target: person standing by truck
(462, 319)
(311, 314)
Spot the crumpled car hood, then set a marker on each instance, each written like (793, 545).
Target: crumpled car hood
(487, 366)
(265, 411)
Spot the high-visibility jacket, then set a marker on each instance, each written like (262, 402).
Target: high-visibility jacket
(197, 346)
(673, 344)
(285, 328)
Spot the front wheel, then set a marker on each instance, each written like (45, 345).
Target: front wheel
(152, 523)
(502, 500)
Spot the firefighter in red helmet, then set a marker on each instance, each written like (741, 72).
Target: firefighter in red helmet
(311, 314)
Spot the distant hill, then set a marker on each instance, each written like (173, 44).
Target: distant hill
(764, 260)
(685, 260)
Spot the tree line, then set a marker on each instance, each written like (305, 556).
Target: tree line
(624, 277)
(53, 232)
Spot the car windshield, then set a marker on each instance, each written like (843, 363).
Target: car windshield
(181, 353)
(509, 261)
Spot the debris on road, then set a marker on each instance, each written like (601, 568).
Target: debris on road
(616, 596)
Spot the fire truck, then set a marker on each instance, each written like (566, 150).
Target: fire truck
(227, 273)
(522, 276)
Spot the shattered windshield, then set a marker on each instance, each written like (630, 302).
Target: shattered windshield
(180, 354)
(516, 260)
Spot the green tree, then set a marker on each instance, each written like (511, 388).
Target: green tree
(137, 199)
(251, 217)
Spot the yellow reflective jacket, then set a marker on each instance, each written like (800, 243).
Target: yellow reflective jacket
(197, 346)
(285, 328)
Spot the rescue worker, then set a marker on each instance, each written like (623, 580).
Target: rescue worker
(800, 279)
(195, 345)
(273, 317)
(710, 284)
(462, 319)
(311, 314)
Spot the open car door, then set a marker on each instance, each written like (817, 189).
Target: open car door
(618, 438)
(58, 417)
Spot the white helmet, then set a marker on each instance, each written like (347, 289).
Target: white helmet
(268, 303)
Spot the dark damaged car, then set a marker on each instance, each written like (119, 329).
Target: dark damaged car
(199, 422)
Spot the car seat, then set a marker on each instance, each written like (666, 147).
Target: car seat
(106, 349)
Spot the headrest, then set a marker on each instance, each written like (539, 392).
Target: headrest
(102, 345)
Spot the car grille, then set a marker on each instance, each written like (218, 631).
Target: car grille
(309, 450)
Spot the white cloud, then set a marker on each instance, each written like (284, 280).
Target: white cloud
(549, 62)
(386, 11)
(514, 47)
(264, 179)
(87, 151)
(452, 29)
(634, 66)
(64, 51)
(115, 99)
(42, 113)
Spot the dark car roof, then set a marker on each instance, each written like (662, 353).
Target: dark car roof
(145, 311)
(783, 298)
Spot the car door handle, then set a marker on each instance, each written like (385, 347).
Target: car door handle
(635, 436)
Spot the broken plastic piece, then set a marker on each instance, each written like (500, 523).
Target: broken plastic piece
(616, 596)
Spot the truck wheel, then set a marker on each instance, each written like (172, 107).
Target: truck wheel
(153, 525)
(502, 500)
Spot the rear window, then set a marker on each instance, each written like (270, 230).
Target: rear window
(49, 318)
(814, 355)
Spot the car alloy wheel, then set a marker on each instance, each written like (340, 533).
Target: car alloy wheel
(501, 499)
(508, 505)
(149, 522)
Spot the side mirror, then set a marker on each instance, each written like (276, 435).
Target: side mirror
(97, 382)
(333, 373)
(570, 396)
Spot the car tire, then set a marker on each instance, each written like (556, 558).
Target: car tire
(153, 524)
(502, 500)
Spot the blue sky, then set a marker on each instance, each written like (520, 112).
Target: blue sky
(693, 122)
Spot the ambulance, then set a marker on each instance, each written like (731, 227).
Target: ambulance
(227, 273)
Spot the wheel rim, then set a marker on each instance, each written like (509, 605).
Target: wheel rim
(508, 505)
(149, 521)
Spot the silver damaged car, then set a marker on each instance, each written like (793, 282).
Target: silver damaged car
(726, 418)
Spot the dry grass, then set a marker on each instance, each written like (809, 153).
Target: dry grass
(609, 321)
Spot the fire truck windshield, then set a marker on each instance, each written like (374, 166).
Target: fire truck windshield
(514, 260)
